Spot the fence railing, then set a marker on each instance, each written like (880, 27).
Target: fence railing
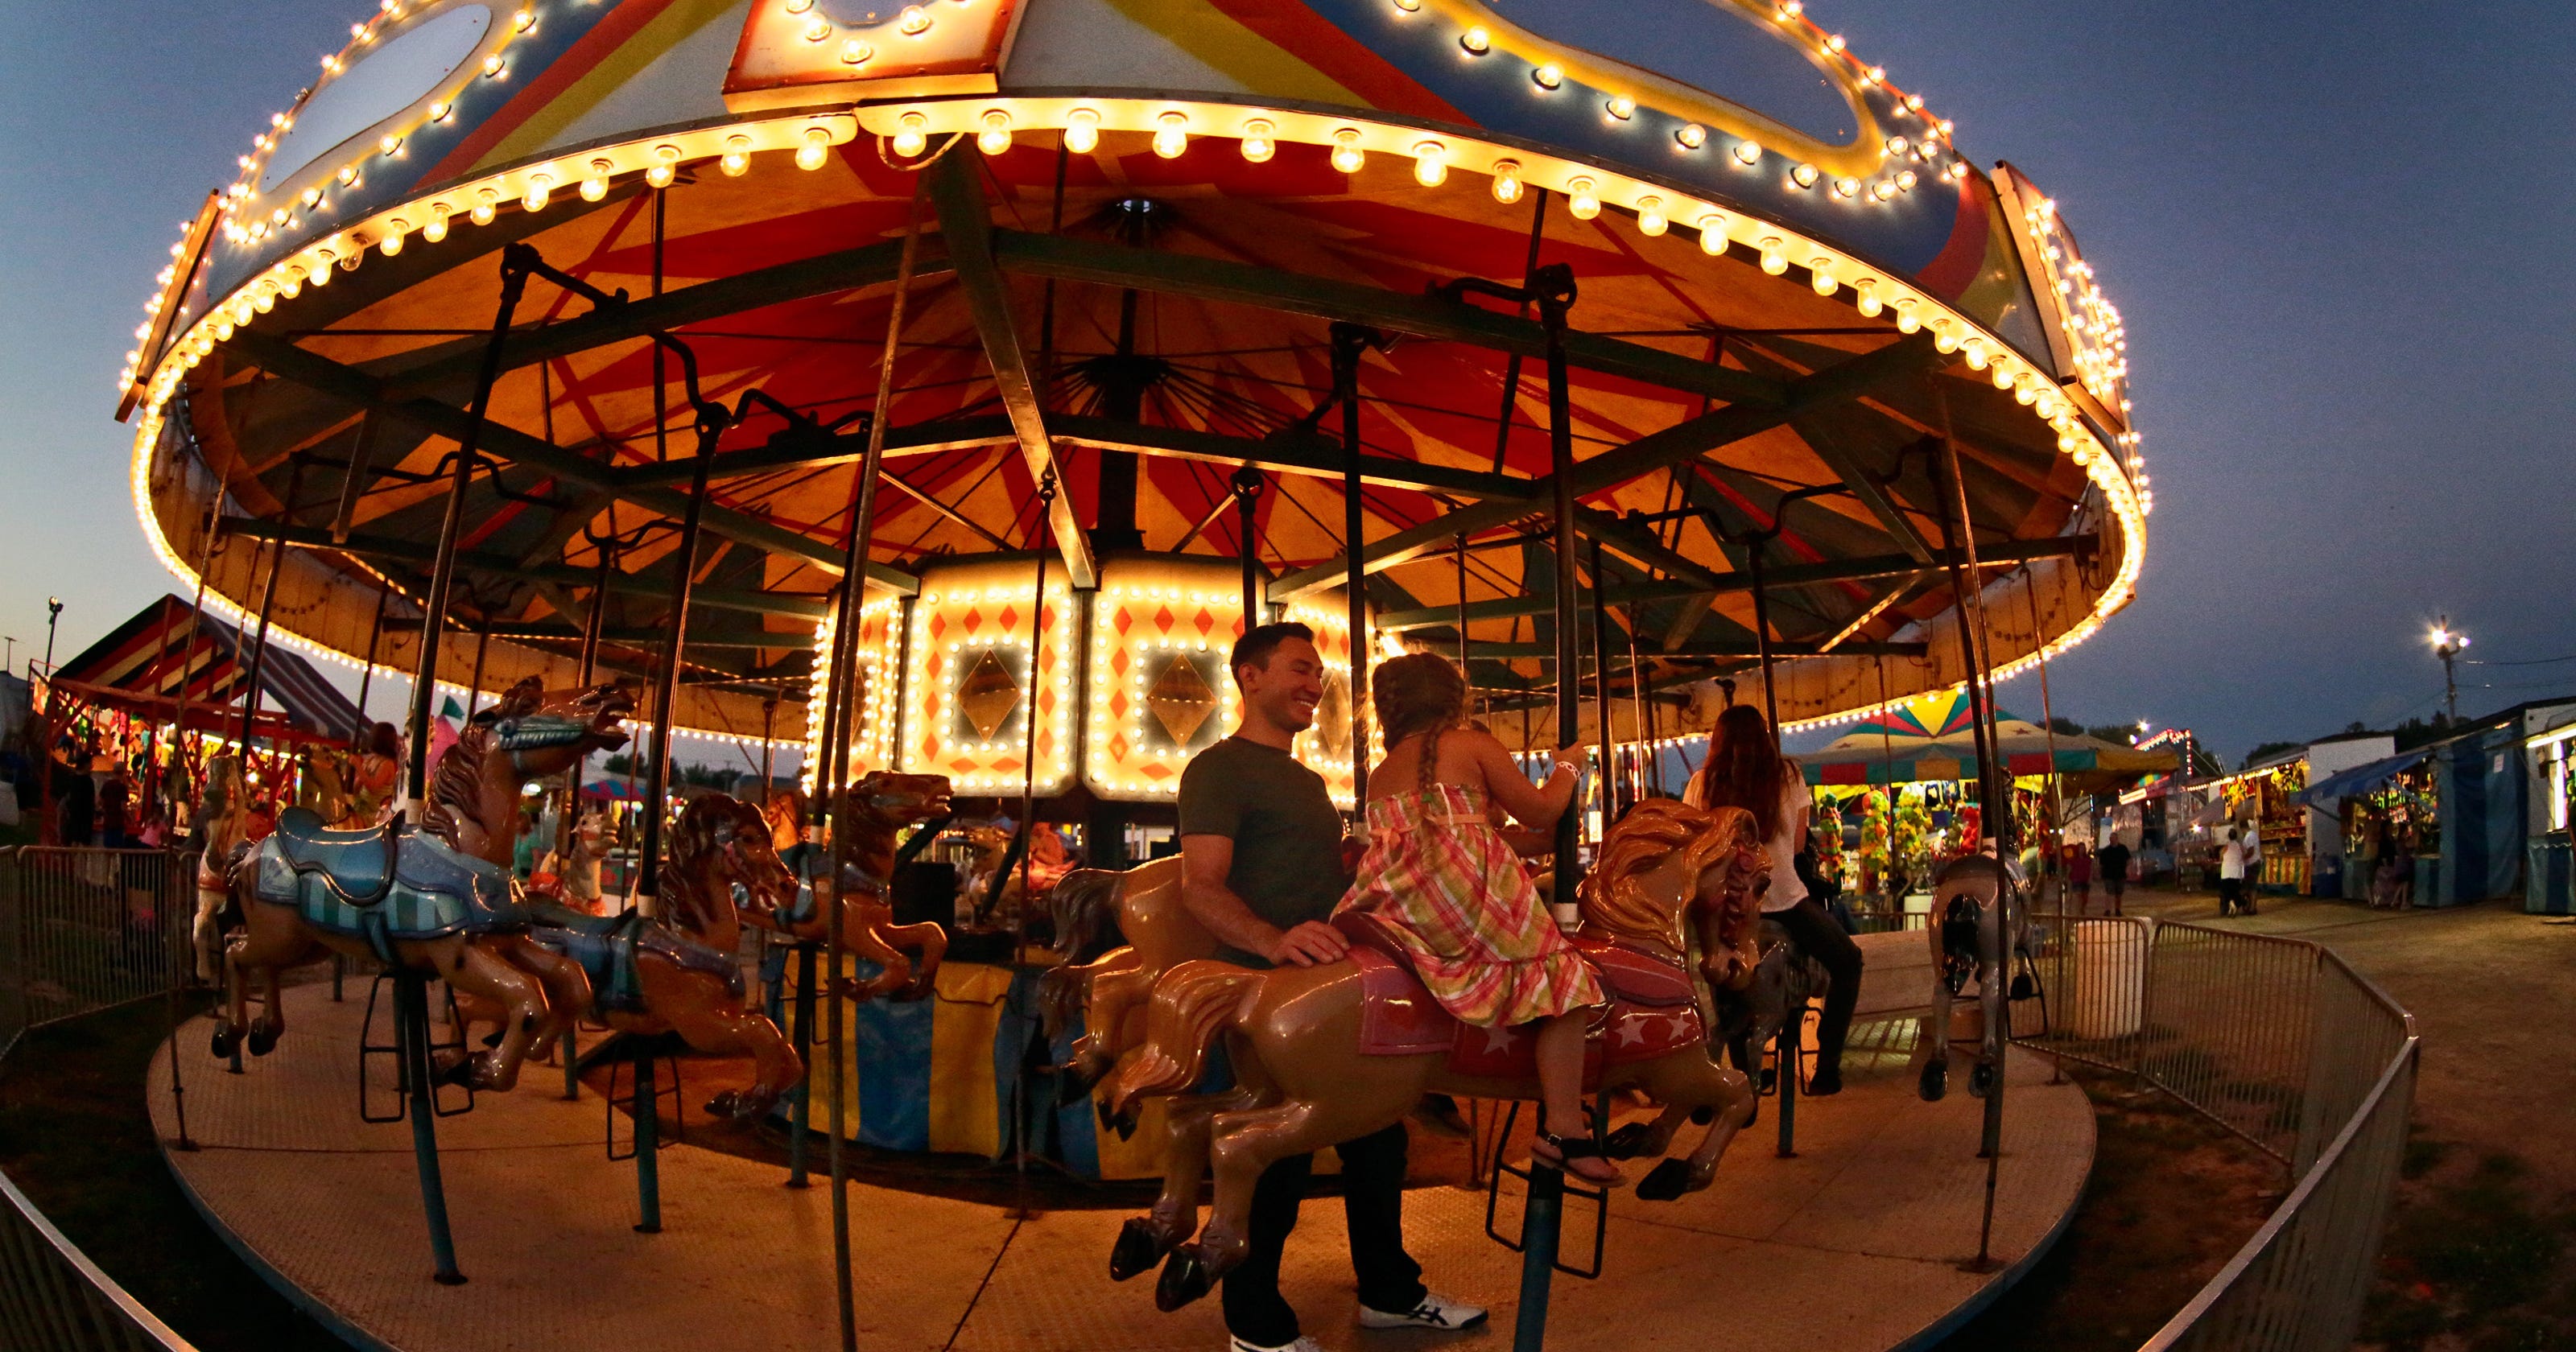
(2281, 1043)
(80, 931)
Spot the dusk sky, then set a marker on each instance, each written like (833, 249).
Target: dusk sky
(2349, 347)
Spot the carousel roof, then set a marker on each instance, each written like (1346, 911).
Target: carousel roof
(1140, 232)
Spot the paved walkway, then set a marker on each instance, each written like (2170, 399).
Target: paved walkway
(1855, 1245)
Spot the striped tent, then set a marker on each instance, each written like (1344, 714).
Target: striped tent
(1935, 738)
(154, 663)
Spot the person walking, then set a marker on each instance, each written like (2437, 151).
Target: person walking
(2112, 863)
(1262, 869)
(2253, 837)
(1745, 769)
(2079, 877)
(2231, 874)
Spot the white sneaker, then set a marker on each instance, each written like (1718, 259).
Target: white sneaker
(1435, 1312)
(1234, 1344)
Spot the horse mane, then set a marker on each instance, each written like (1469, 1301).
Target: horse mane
(1642, 840)
(457, 785)
(691, 837)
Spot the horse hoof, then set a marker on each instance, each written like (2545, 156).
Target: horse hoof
(455, 1068)
(1124, 1124)
(261, 1041)
(1139, 1246)
(1074, 1081)
(1981, 1081)
(1633, 1140)
(1664, 1182)
(1935, 1084)
(1184, 1280)
(226, 1041)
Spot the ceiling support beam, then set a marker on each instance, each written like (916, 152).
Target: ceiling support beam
(1782, 577)
(1547, 651)
(1217, 279)
(1839, 384)
(807, 609)
(966, 223)
(350, 385)
(1843, 459)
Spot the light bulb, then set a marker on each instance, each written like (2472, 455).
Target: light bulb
(436, 230)
(1257, 144)
(1621, 107)
(2025, 393)
(1430, 164)
(996, 135)
(1082, 130)
(1477, 40)
(1507, 181)
(1650, 215)
(912, 135)
(1347, 155)
(1804, 175)
(1820, 275)
(264, 299)
(914, 21)
(1692, 136)
(539, 186)
(1748, 152)
(1582, 199)
(1974, 349)
(1906, 320)
(2003, 377)
(737, 156)
(320, 273)
(818, 29)
(1943, 337)
(1905, 180)
(1171, 135)
(658, 175)
(291, 281)
(1773, 260)
(1549, 76)
(857, 53)
(392, 239)
(1882, 190)
(1712, 234)
(388, 143)
(595, 186)
(493, 65)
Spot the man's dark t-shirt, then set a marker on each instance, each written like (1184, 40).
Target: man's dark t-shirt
(2112, 863)
(1287, 836)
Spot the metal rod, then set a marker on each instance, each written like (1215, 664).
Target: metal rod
(649, 860)
(375, 639)
(1348, 341)
(482, 649)
(411, 1020)
(1037, 685)
(1607, 773)
(1542, 1227)
(1247, 494)
(648, 1143)
(1753, 552)
(836, 761)
(268, 602)
(801, 1119)
(442, 575)
(1462, 606)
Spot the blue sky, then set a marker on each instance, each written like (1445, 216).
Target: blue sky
(2332, 228)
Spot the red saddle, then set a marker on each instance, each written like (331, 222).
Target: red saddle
(1653, 1011)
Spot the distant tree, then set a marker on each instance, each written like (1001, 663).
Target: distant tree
(2066, 725)
(2118, 734)
(2266, 751)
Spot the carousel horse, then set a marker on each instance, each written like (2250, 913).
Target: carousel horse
(223, 812)
(1336, 1051)
(679, 974)
(580, 876)
(1048, 864)
(437, 898)
(1107, 987)
(1784, 980)
(1971, 898)
(322, 788)
(872, 811)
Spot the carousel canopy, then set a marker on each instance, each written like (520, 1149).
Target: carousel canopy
(1808, 342)
(1935, 738)
(156, 663)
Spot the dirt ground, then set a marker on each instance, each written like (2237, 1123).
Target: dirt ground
(2478, 1254)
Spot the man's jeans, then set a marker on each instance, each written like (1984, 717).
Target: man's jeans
(1373, 1204)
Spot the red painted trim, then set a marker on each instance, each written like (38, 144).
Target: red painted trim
(1315, 40)
(1955, 270)
(604, 38)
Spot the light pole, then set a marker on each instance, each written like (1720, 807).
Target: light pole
(2447, 646)
(53, 613)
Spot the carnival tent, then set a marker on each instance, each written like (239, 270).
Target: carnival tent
(1935, 738)
(2335, 788)
(157, 665)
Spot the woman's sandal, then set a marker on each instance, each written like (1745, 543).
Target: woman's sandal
(1571, 1153)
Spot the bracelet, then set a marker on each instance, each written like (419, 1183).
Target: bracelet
(1567, 765)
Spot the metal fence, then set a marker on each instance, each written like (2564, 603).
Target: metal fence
(2281, 1043)
(80, 931)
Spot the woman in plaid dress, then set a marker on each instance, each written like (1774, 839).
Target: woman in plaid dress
(1442, 880)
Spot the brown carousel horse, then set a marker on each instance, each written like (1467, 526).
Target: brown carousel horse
(438, 898)
(679, 974)
(1108, 990)
(872, 811)
(1333, 1052)
(223, 812)
(1972, 899)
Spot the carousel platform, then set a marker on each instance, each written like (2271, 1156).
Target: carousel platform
(1858, 1243)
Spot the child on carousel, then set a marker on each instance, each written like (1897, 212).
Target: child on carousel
(1440, 878)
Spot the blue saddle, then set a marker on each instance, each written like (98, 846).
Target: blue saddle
(606, 946)
(386, 886)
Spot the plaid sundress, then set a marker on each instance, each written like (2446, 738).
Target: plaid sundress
(1442, 879)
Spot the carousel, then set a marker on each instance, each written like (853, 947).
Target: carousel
(931, 395)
